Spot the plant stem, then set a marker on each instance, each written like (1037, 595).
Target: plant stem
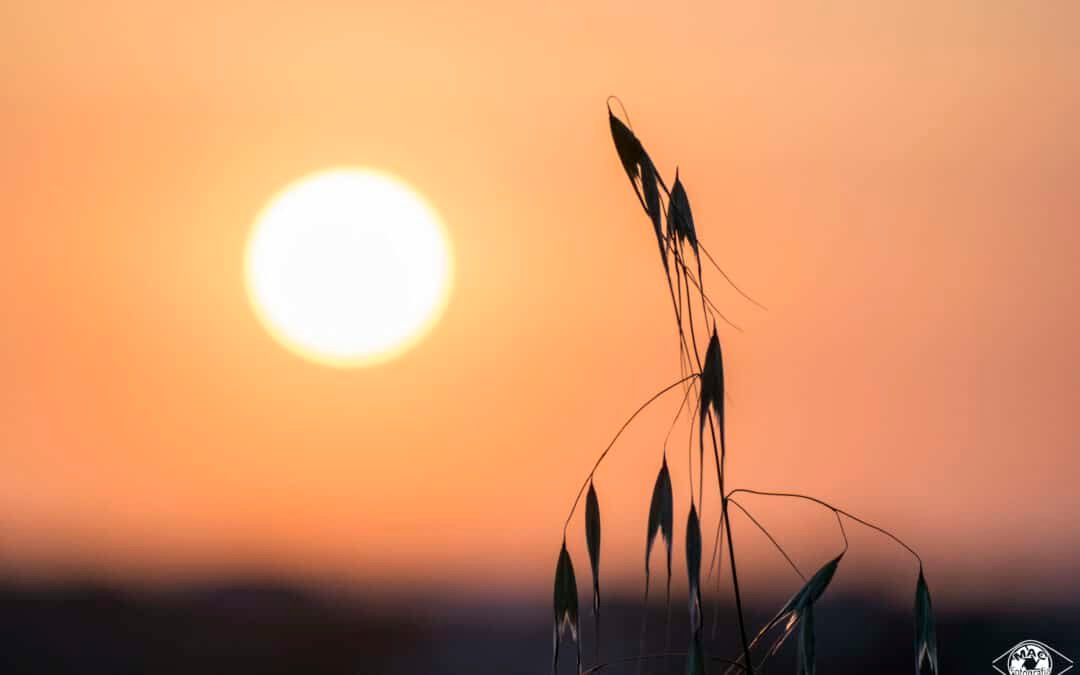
(738, 598)
(834, 509)
(693, 280)
(728, 279)
(731, 549)
(603, 454)
(773, 539)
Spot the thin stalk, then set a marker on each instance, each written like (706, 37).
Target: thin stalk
(701, 457)
(731, 549)
(697, 285)
(674, 250)
(773, 539)
(683, 348)
(717, 557)
(690, 461)
(676, 253)
(676, 304)
(843, 532)
(701, 280)
(834, 509)
(684, 356)
(728, 279)
(678, 414)
(625, 112)
(700, 245)
(637, 412)
(738, 597)
(693, 342)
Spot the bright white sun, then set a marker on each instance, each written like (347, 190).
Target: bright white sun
(348, 267)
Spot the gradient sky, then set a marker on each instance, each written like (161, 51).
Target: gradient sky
(899, 183)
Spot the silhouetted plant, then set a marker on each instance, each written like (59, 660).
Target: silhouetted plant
(676, 236)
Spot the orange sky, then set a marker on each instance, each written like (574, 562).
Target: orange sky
(898, 184)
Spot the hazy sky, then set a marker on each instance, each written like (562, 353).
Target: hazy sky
(897, 182)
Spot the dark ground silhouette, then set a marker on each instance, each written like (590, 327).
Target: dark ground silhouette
(265, 629)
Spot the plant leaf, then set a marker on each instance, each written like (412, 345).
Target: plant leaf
(693, 567)
(807, 595)
(796, 607)
(680, 220)
(566, 607)
(630, 152)
(806, 641)
(695, 662)
(815, 587)
(712, 387)
(642, 173)
(652, 203)
(925, 634)
(661, 516)
(592, 539)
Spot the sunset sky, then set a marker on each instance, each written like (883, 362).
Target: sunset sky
(899, 184)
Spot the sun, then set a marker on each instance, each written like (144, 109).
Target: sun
(348, 267)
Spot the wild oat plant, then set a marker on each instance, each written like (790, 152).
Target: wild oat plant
(702, 382)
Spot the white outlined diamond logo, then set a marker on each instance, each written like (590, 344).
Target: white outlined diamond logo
(1032, 657)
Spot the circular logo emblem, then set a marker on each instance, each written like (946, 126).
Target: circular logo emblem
(1030, 658)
